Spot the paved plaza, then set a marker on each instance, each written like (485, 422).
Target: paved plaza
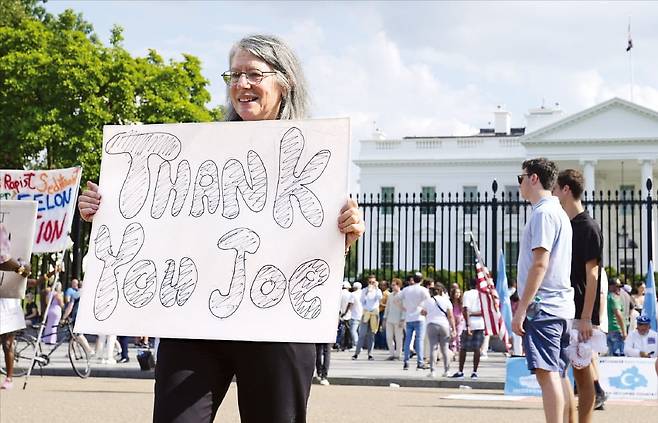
(109, 400)
(343, 371)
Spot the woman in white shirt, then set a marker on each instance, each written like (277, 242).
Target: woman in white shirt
(440, 325)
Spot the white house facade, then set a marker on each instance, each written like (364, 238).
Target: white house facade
(614, 144)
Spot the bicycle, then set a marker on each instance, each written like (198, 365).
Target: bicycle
(25, 346)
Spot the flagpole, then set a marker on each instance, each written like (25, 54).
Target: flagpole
(630, 57)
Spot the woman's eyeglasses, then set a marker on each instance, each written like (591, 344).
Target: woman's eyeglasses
(254, 76)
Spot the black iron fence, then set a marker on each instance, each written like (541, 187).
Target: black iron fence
(428, 233)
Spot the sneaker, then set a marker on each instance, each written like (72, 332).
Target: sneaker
(390, 358)
(354, 357)
(123, 360)
(7, 384)
(484, 356)
(421, 366)
(412, 354)
(445, 374)
(458, 375)
(324, 382)
(370, 358)
(432, 374)
(474, 375)
(405, 366)
(600, 401)
(317, 378)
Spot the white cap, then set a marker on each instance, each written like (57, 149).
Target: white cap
(357, 285)
(346, 285)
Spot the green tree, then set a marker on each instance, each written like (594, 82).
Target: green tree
(61, 85)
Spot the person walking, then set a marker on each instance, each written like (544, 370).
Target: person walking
(369, 325)
(356, 311)
(472, 336)
(456, 300)
(587, 253)
(440, 326)
(11, 313)
(322, 362)
(344, 337)
(546, 304)
(411, 298)
(616, 322)
(394, 321)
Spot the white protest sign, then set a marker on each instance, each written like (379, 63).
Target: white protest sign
(56, 192)
(219, 231)
(628, 377)
(18, 218)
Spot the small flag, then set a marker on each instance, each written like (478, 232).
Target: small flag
(649, 307)
(629, 46)
(503, 292)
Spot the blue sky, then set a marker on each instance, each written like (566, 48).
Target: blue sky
(437, 68)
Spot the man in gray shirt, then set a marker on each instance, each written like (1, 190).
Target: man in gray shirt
(546, 305)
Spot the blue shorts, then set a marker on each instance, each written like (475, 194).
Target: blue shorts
(545, 343)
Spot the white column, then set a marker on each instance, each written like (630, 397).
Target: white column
(590, 179)
(647, 173)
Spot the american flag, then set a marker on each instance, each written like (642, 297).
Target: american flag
(494, 323)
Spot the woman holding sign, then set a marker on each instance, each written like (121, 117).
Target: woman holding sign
(265, 82)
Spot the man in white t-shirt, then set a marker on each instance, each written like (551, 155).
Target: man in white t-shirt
(472, 336)
(344, 340)
(411, 298)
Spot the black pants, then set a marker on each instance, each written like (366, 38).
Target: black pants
(192, 377)
(322, 359)
(123, 341)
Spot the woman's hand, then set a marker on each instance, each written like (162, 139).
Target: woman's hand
(89, 201)
(351, 223)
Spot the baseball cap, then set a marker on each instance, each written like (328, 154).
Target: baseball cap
(346, 285)
(643, 320)
(357, 285)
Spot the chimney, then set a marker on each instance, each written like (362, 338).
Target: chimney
(542, 116)
(502, 121)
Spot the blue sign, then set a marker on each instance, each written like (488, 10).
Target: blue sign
(519, 381)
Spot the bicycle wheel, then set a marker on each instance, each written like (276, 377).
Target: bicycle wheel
(79, 358)
(23, 353)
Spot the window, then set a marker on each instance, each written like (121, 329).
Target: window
(427, 253)
(470, 196)
(427, 196)
(388, 196)
(386, 254)
(626, 192)
(469, 258)
(511, 255)
(512, 199)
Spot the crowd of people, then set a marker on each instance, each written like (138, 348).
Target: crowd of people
(416, 318)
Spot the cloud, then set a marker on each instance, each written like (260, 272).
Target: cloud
(371, 81)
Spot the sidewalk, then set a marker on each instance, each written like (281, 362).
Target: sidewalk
(343, 371)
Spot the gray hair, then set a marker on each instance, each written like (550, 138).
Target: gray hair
(277, 54)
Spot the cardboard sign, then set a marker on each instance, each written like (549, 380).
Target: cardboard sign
(628, 377)
(18, 218)
(55, 192)
(219, 231)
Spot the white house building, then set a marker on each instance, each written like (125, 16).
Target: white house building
(614, 144)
